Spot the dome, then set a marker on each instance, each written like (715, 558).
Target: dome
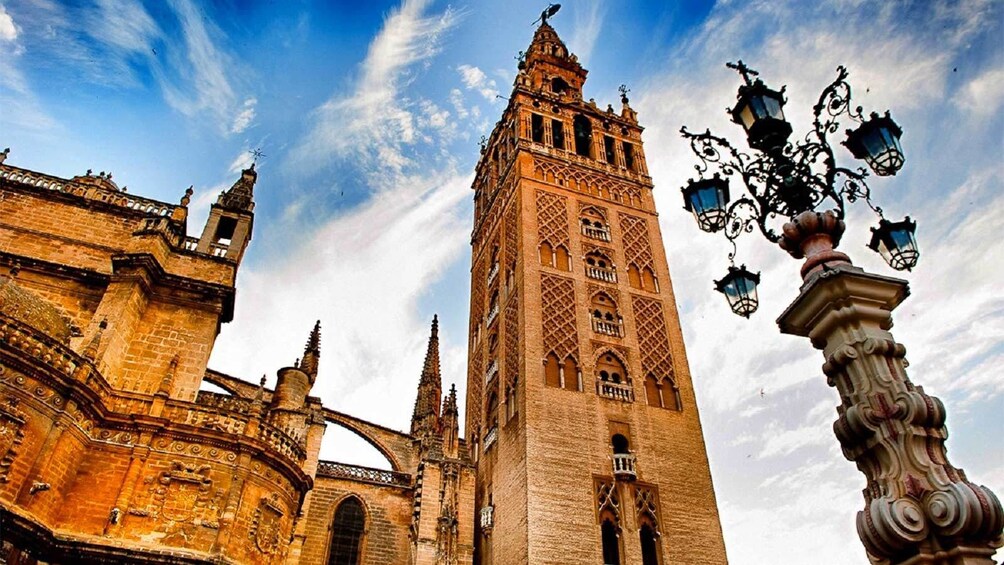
(30, 309)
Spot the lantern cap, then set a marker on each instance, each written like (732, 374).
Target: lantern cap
(896, 243)
(739, 288)
(876, 141)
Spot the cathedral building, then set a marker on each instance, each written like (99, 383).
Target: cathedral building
(582, 439)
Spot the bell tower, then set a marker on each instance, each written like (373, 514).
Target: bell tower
(580, 408)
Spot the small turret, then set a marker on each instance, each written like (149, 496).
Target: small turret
(287, 410)
(450, 424)
(425, 419)
(228, 229)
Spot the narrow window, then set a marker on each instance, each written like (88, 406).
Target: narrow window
(608, 146)
(652, 392)
(563, 261)
(537, 128)
(611, 551)
(558, 133)
(552, 371)
(558, 85)
(634, 277)
(648, 280)
(546, 255)
(649, 547)
(583, 136)
(347, 533)
(225, 230)
(628, 154)
(571, 374)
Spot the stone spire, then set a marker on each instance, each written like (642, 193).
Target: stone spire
(450, 424)
(241, 194)
(312, 353)
(548, 58)
(425, 419)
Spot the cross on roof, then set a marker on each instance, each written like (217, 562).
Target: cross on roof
(743, 70)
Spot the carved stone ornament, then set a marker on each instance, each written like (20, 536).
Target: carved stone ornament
(183, 496)
(266, 525)
(12, 423)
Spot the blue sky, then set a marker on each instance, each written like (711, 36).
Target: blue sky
(369, 114)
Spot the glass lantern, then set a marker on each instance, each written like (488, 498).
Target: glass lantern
(706, 199)
(896, 243)
(739, 288)
(759, 111)
(877, 142)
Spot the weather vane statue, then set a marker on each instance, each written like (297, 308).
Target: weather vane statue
(551, 10)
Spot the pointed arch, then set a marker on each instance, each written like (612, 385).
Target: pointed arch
(562, 260)
(348, 531)
(552, 370)
(570, 374)
(634, 276)
(546, 254)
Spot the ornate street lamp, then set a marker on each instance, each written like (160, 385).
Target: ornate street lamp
(739, 287)
(919, 509)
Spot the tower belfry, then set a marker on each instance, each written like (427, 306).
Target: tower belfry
(580, 408)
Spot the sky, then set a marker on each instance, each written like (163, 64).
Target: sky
(369, 116)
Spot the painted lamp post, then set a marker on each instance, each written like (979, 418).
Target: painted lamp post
(919, 509)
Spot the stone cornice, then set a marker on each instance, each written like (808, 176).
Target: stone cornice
(158, 276)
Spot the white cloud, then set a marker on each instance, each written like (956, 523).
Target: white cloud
(372, 123)
(457, 99)
(983, 95)
(362, 274)
(245, 116)
(476, 79)
(8, 31)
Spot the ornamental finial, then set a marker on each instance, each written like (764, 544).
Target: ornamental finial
(742, 69)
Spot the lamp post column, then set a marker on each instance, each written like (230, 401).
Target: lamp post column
(919, 509)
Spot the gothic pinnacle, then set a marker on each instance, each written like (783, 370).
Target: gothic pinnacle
(312, 352)
(427, 404)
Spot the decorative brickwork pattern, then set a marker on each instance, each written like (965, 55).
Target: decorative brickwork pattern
(511, 249)
(653, 341)
(552, 219)
(511, 337)
(646, 505)
(607, 498)
(584, 180)
(558, 315)
(637, 249)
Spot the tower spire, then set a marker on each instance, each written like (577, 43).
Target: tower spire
(241, 194)
(425, 418)
(312, 353)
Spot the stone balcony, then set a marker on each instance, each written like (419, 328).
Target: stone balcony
(624, 466)
(493, 370)
(606, 328)
(490, 438)
(487, 519)
(492, 314)
(493, 273)
(599, 273)
(602, 234)
(615, 391)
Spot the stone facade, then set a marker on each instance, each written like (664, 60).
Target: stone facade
(109, 452)
(580, 408)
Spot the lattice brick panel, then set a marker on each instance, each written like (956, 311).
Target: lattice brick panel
(637, 249)
(558, 316)
(511, 327)
(583, 180)
(653, 341)
(475, 386)
(511, 241)
(552, 218)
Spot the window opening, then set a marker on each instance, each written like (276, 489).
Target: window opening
(611, 551)
(649, 547)
(537, 128)
(347, 533)
(225, 230)
(558, 85)
(583, 136)
(558, 133)
(628, 154)
(608, 146)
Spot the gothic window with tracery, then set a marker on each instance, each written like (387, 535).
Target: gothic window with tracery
(603, 315)
(600, 267)
(347, 533)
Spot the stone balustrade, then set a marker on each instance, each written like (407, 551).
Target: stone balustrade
(606, 328)
(599, 273)
(602, 234)
(335, 470)
(624, 466)
(615, 391)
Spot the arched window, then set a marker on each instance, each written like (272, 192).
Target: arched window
(610, 369)
(619, 444)
(546, 255)
(634, 276)
(594, 225)
(583, 136)
(652, 391)
(599, 266)
(611, 544)
(562, 260)
(649, 546)
(648, 280)
(570, 374)
(492, 410)
(558, 85)
(552, 371)
(603, 313)
(347, 533)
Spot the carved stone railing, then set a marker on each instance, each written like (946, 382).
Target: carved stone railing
(490, 438)
(335, 470)
(624, 466)
(190, 243)
(281, 441)
(56, 184)
(606, 328)
(213, 417)
(492, 314)
(615, 391)
(493, 273)
(487, 519)
(493, 369)
(218, 249)
(602, 234)
(599, 273)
